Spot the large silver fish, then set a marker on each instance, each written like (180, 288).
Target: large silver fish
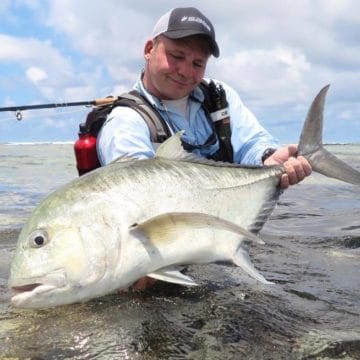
(103, 231)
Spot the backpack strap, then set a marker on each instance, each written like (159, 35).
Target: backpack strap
(159, 130)
(96, 118)
(215, 101)
(204, 86)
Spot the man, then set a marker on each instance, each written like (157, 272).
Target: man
(176, 56)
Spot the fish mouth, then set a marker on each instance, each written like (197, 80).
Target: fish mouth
(26, 294)
(25, 288)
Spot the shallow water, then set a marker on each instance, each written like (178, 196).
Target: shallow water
(312, 253)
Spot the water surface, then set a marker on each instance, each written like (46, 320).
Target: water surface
(312, 253)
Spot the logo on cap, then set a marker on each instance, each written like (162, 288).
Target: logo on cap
(196, 19)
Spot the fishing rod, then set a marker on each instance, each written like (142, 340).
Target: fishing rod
(19, 109)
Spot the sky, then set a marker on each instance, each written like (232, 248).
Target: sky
(277, 54)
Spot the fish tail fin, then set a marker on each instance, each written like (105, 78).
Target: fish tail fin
(242, 259)
(311, 145)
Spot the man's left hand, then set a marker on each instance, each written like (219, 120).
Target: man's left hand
(296, 167)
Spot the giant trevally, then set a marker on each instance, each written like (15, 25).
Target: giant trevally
(134, 218)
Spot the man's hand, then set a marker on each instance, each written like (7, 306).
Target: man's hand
(297, 168)
(143, 283)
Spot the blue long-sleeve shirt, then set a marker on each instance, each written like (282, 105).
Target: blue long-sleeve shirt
(126, 133)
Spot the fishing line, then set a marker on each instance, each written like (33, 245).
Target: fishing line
(53, 114)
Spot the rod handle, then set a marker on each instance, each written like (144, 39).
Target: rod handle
(104, 101)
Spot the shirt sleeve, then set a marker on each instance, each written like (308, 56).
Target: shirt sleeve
(249, 139)
(125, 133)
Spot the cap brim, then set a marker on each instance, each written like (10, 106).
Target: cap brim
(178, 34)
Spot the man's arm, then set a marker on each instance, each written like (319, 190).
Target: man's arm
(249, 139)
(124, 133)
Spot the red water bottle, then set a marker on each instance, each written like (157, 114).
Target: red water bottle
(85, 151)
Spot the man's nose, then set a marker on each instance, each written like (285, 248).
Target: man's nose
(185, 69)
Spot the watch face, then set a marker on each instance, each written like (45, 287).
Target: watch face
(267, 153)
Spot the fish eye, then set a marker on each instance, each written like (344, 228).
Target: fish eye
(38, 239)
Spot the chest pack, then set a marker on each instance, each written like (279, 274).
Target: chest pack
(215, 106)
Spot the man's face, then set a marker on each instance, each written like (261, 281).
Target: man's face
(175, 67)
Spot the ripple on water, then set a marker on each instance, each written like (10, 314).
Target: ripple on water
(329, 344)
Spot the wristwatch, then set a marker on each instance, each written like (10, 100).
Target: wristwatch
(267, 153)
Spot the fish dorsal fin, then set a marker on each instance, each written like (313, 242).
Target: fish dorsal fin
(173, 149)
(124, 158)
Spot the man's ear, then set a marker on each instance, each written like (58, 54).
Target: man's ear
(149, 45)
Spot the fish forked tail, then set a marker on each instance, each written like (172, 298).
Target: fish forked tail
(311, 145)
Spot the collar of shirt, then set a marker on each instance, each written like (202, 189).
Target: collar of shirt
(196, 94)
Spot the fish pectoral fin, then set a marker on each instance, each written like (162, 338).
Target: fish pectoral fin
(242, 259)
(166, 226)
(172, 276)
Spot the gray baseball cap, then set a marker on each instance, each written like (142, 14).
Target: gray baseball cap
(182, 22)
